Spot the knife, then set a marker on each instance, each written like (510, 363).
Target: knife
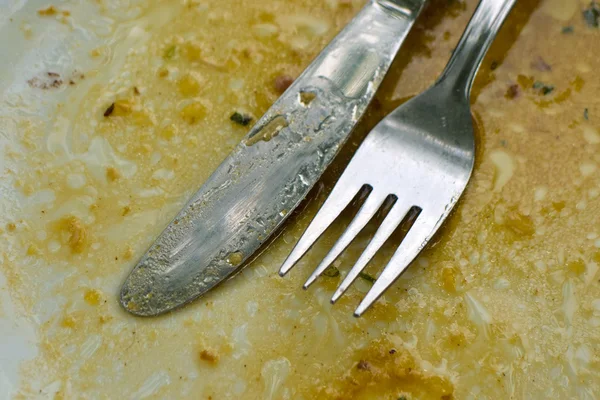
(267, 175)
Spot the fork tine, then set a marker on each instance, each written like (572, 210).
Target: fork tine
(366, 212)
(385, 230)
(416, 238)
(341, 195)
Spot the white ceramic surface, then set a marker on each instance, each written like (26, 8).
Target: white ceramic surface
(29, 45)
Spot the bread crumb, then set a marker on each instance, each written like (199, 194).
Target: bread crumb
(77, 234)
(163, 72)
(92, 297)
(112, 174)
(363, 365)
(209, 355)
(47, 12)
(282, 82)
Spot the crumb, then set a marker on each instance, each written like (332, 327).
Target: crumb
(209, 355)
(541, 65)
(78, 235)
(48, 11)
(512, 92)
(363, 365)
(92, 297)
(51, 80)
(282, 82)
(163, 72)
(109, 110)
(112, 174)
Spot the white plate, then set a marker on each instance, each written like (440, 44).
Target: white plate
(29, 46)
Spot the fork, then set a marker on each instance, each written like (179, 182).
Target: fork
(420, 157)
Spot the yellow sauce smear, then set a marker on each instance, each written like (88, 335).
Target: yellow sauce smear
(505, 303)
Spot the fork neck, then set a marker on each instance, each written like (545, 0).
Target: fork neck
(474, 44)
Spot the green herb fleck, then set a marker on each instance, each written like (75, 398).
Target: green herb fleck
(592, 15)
(402, 398)
(543, 88)
(170, 52)
(586, 114)
(366, 277)
(568, 29)
(241, 119)
(331, 272)
(547, 90)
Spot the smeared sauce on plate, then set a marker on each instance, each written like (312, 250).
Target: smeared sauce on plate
(504, 304)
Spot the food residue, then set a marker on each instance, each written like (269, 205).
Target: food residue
(240, 118)
(504, 303)
(282, 82)
(48, 11)
(235, 258)
(209, 355)
(268, 131)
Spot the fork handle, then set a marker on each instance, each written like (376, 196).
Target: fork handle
(474, 44)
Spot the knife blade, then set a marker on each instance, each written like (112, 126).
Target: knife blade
(267, 175)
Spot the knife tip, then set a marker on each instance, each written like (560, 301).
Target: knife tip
(137, 298)
(129, 303)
